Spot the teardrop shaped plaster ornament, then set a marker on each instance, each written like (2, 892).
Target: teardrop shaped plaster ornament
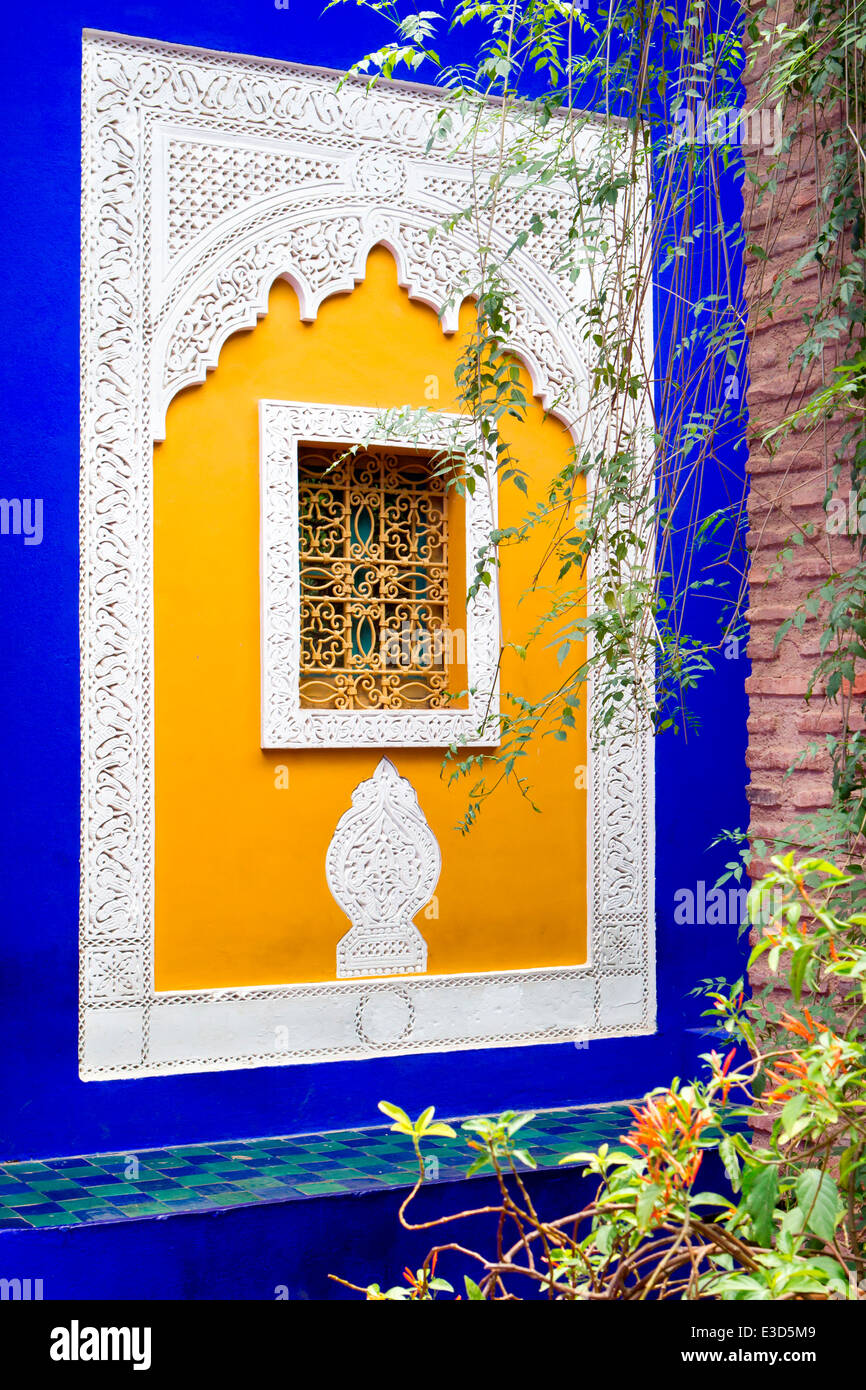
(382, 866)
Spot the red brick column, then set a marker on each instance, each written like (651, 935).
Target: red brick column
(786, 491)
(787, 486)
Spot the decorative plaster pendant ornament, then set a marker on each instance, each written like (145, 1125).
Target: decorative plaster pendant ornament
(382, 867)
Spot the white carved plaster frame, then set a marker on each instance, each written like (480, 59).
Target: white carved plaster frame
(282, 426)
(159, 298)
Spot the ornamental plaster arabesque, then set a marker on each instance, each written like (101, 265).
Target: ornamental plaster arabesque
(206, 177)
(382, 866)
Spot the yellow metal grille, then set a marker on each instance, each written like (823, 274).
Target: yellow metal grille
(374, 580)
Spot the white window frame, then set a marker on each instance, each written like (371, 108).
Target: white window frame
(283, 425)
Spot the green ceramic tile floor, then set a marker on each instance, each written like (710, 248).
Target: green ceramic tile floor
(207, 1177)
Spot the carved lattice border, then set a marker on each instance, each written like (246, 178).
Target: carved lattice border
(154, 316)
(282, 426)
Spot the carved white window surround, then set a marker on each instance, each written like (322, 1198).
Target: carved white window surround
(285, 724)
(205, 177)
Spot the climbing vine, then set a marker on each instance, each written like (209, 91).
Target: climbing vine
(646, 567)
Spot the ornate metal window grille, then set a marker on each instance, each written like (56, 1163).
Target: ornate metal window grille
(374, 579)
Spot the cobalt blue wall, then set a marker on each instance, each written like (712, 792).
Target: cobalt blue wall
(248, 1252)
(45, 1108)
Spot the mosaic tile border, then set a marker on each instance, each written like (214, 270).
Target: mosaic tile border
(157, 1183)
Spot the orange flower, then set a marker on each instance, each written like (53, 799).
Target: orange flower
(665, 1132)
(723, 1071)
(794, 1026)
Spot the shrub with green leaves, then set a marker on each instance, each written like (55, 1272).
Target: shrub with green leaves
(784, 1107)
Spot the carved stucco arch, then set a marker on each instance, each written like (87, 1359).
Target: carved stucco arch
(205, 176)
(228, 287)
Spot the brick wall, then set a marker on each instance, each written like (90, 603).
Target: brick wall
(786, 491)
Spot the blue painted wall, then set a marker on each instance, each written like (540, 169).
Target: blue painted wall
(45, 1109)
(252, 1252)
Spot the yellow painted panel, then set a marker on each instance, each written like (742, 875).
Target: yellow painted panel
(241, 897)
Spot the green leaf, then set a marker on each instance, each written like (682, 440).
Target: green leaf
(402, 1121)
(851, 1158)
(818, 1199)
(440, 1130)
(480, 1162)
(798, 970)
(710, 1199)
(728, 1154)
(646, 1203)
(473, 1293)
(763, 1189)
(604, 1238)
(792, 1111)
(792, 1222)
(519, 1121)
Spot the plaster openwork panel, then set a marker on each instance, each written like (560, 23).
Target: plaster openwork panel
(205, 178)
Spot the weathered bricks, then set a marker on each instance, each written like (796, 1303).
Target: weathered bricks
(787, 489)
